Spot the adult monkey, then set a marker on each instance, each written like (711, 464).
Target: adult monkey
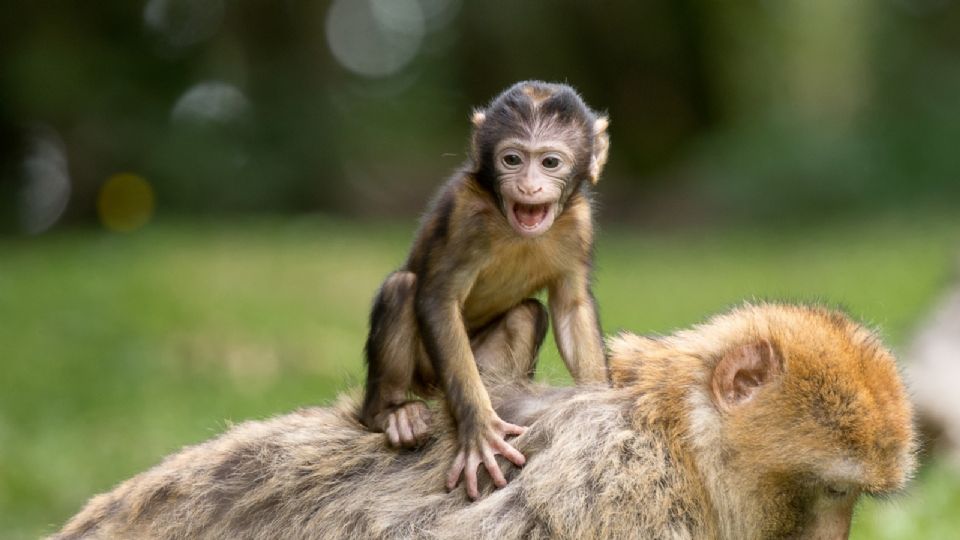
(515, 220)
(767, 422)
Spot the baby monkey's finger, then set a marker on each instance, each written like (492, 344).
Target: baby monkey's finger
(508, 451)
(453, 475)
(490, 462)
(403, 426)
(392, 434)
(512, 429)
(470, 474)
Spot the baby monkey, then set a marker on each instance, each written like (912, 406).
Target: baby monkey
(514, 221)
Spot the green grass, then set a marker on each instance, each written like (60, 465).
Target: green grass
(118, 349)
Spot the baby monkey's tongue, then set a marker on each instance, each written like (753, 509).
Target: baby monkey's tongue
(530, 215)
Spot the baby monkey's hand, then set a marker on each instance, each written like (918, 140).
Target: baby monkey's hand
(482, 446)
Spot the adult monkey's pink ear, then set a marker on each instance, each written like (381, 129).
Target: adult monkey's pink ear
(601, 144)
(742, 372)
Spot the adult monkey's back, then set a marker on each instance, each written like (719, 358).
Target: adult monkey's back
(766, 422)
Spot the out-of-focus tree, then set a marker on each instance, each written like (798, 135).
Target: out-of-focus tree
(752, 109)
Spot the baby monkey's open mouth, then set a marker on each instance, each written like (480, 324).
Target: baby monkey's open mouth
(531, 219)
(530, 215)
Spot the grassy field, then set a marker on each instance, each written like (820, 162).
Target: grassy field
(118, 349)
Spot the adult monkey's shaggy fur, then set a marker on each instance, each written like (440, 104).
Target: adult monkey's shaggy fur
(767, 422)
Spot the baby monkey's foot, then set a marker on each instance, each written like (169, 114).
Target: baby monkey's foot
(407, 425)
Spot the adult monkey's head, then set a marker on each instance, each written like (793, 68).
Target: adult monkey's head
(533, 147)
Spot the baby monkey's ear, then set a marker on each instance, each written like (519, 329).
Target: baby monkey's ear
(601, 144)
(477, 118)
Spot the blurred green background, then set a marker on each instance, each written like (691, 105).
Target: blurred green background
(198, 198)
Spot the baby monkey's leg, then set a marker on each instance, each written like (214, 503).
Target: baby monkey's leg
(395, 361)
(506, 350)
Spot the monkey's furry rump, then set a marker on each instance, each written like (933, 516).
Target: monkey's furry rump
(317, 473)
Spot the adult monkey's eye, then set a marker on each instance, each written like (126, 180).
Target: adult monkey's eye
(511, 160)
(550, 162)
(837, 491)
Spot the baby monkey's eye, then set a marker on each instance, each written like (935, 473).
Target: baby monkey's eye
(550, 162)
(511, 160)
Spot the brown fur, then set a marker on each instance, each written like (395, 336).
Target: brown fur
(470, 266)
(653, 457)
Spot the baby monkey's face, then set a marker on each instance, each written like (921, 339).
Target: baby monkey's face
(532, 175)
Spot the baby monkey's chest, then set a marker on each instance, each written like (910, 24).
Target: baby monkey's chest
(510, 276)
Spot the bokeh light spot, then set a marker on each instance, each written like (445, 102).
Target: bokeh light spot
(210, 102)
(439, 13)
(183, 23)
(125, 202)
(47, 187)
(375, 38)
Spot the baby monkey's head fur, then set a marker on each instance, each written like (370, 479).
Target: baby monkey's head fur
(534, 147)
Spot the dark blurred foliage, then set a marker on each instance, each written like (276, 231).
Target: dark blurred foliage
(720, 110)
